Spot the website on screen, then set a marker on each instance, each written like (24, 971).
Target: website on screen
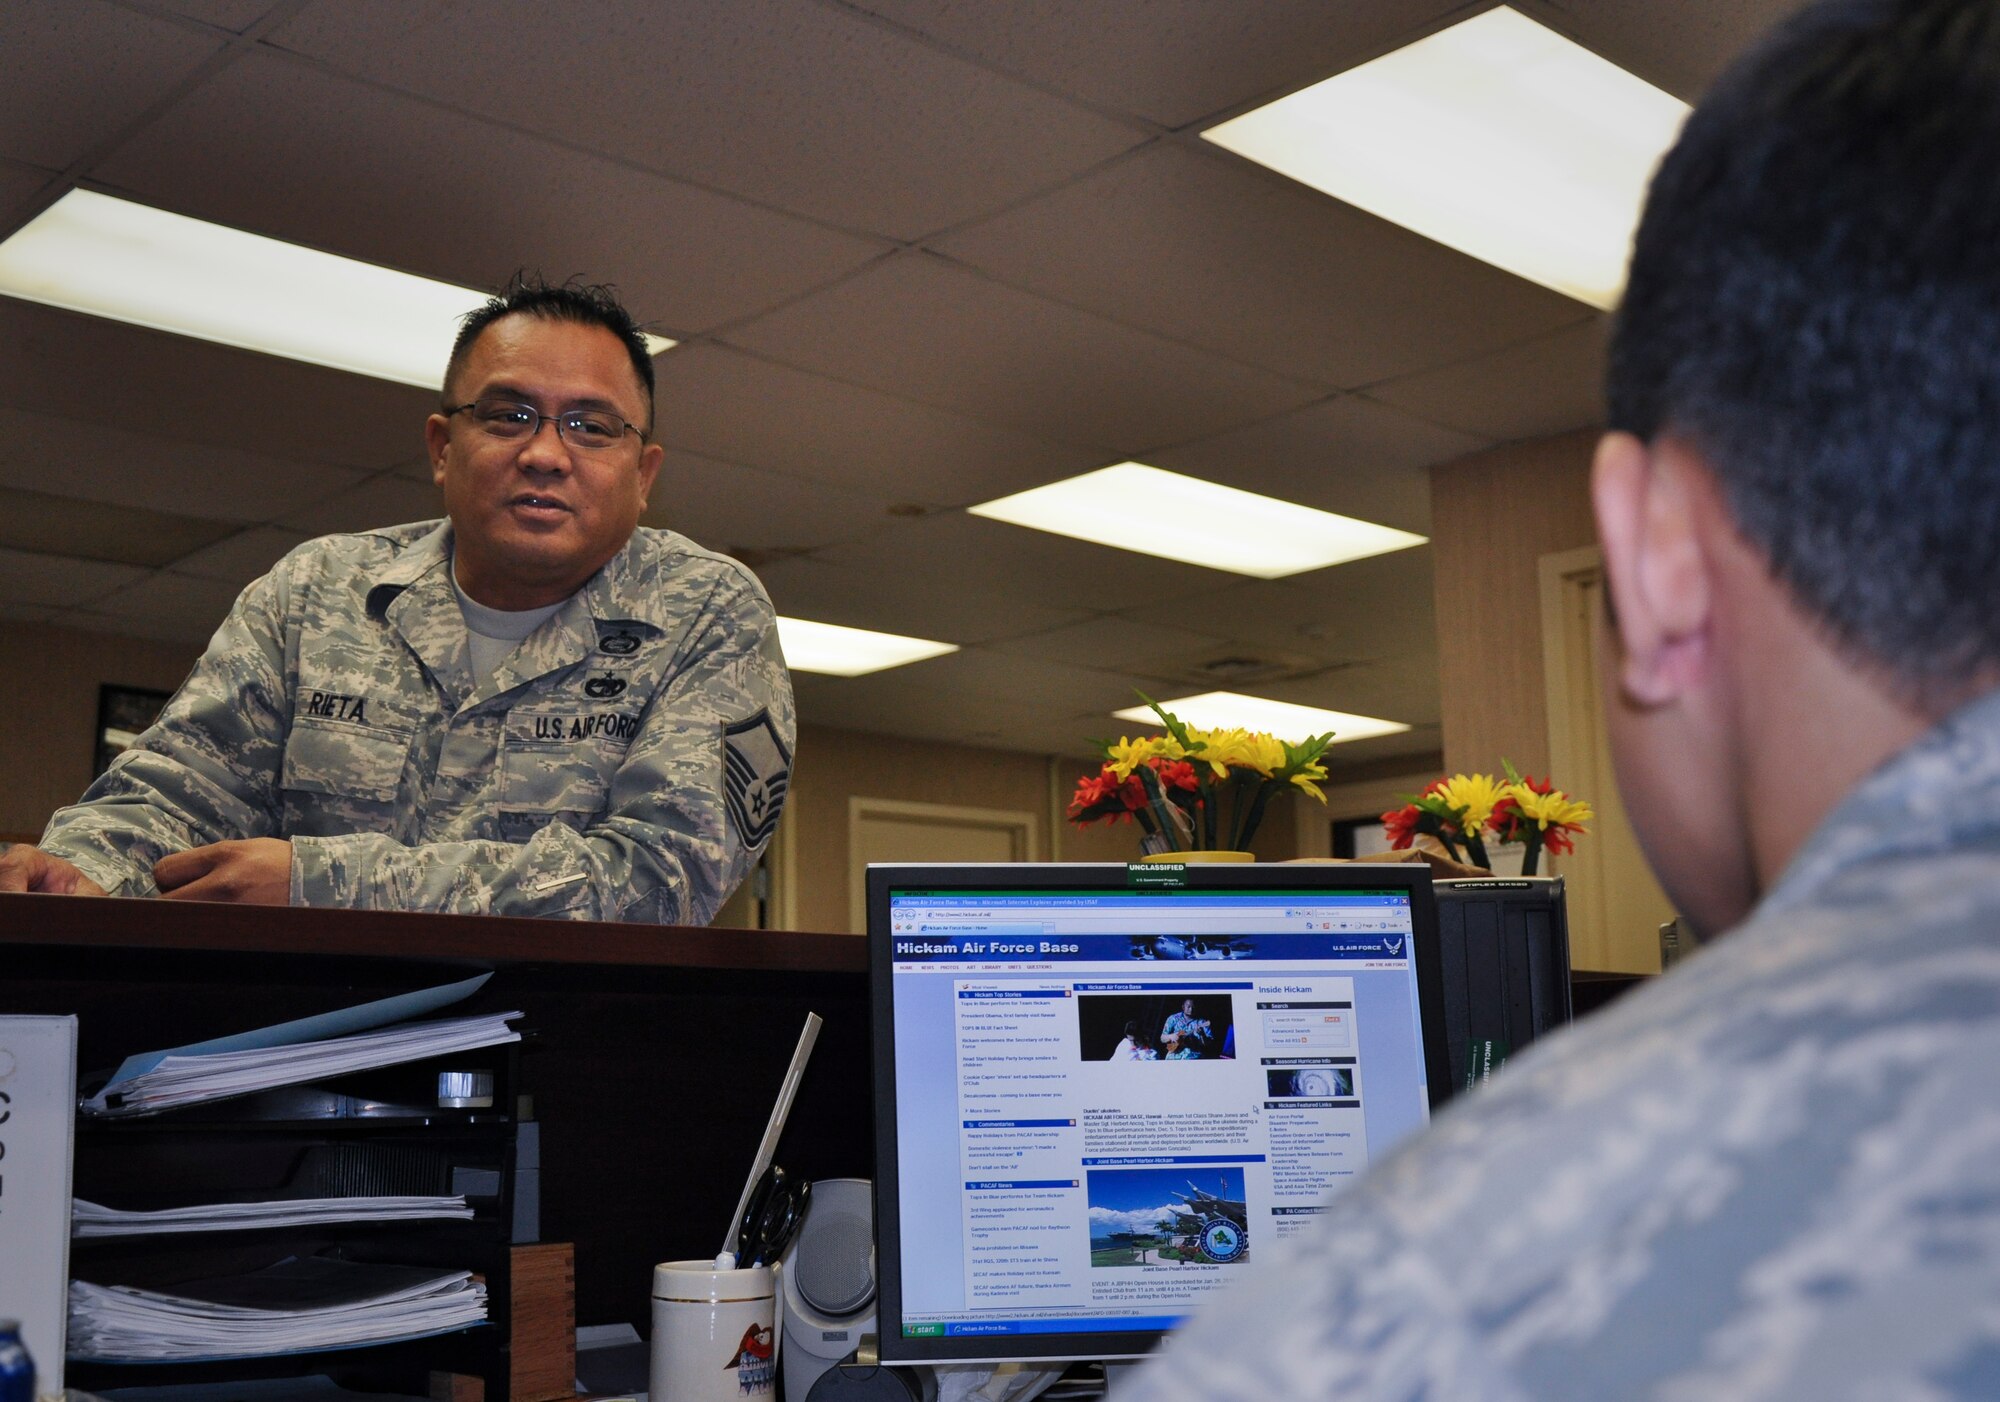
(1109, 1101)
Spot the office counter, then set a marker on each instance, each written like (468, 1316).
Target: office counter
(652, 1053)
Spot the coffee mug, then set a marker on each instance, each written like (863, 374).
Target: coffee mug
(714, 1334)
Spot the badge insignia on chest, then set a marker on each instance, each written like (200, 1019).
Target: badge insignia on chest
(756, 770)
(617, 641)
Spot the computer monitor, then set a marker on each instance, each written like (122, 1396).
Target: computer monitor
(1101, 1089)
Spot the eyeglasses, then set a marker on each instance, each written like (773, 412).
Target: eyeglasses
(592, 430)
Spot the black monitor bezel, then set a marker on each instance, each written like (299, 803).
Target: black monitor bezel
(1413, 877)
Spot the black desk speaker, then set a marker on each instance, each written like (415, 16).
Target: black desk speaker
(1504, 947)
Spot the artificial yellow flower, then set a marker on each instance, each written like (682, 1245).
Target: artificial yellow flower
(1128, 755)
(1218, 749)
(1554, 809)
(1476, 795)
(1243, 749)
(1264, 753)
(1304, 779)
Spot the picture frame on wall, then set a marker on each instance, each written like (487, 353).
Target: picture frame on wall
(122, 713)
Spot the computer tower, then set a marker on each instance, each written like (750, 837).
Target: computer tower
(1504, 946)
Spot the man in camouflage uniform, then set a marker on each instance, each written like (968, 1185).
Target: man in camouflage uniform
(1775, 1173)
(535, 707)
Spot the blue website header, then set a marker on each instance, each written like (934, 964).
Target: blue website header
(1144, 949)
(1153, 900)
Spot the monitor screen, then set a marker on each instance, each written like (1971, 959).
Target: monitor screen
(1098, 1097)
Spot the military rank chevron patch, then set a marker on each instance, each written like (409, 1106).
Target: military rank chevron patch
(756, 771)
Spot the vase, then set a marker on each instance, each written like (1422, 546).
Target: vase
(1214, 855)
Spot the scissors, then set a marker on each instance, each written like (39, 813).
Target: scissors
(777, 1207)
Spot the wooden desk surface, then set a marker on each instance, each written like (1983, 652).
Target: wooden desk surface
(204, 925)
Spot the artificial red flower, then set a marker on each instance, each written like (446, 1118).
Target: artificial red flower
(1400, 825)
(1100, 795)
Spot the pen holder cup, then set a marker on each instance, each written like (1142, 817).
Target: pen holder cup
(714, 1332)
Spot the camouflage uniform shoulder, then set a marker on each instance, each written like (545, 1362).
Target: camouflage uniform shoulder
(368, 549)
(358, 560)
(660, 572)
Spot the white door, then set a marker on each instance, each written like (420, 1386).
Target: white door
(885, 830)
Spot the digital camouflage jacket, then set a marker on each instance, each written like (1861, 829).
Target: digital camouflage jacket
(1772, 1174)
(627, 762)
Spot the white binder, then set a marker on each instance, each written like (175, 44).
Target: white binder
(37, 1139)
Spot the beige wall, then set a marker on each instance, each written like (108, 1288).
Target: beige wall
(837, 766)
(1493, 516)
(48, 710)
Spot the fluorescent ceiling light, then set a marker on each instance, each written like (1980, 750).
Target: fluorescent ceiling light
(1154, 512)
(849, 652)
(91, 253)
(1496, 136)
(1227, 710)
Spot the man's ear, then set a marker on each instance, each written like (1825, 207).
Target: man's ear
(437, 436)
(1655, 566)
(649, 471)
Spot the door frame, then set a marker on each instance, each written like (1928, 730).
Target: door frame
(1024, 828)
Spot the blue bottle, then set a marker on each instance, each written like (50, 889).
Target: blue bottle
(17, 1370)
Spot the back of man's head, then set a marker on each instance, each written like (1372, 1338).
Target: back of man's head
(587, 304)
(1814, 306)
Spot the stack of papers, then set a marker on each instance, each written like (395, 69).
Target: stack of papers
(88, 1219)
(297, 1305)
(332, 1044)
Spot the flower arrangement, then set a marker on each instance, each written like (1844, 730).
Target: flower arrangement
(1460, 811)
(1196, 790)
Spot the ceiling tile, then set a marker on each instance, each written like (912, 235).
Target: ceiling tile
(18, 185)
(734, 509)
(1349, 455)
(1551, 384)
(859, 598)
(727, 404)
(90, 530)
(1379, 607)
(1401, 688)
(242, 557)
(79, 71)
(386, 500)
(1098, 291)
(1051, 685)
(790, 102)
(169, 607)
(281, 148)
(919, 327)
(1169, 61)
(233, 15)
(1209, 249)
(96, 462)
(1683, 57)
(57, 581)
(995, 558)
(1420, 742)
(197, 392)
(1120, 644)
(16, 612)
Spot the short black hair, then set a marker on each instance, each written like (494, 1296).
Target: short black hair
(1814, 305)
(526, 294)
